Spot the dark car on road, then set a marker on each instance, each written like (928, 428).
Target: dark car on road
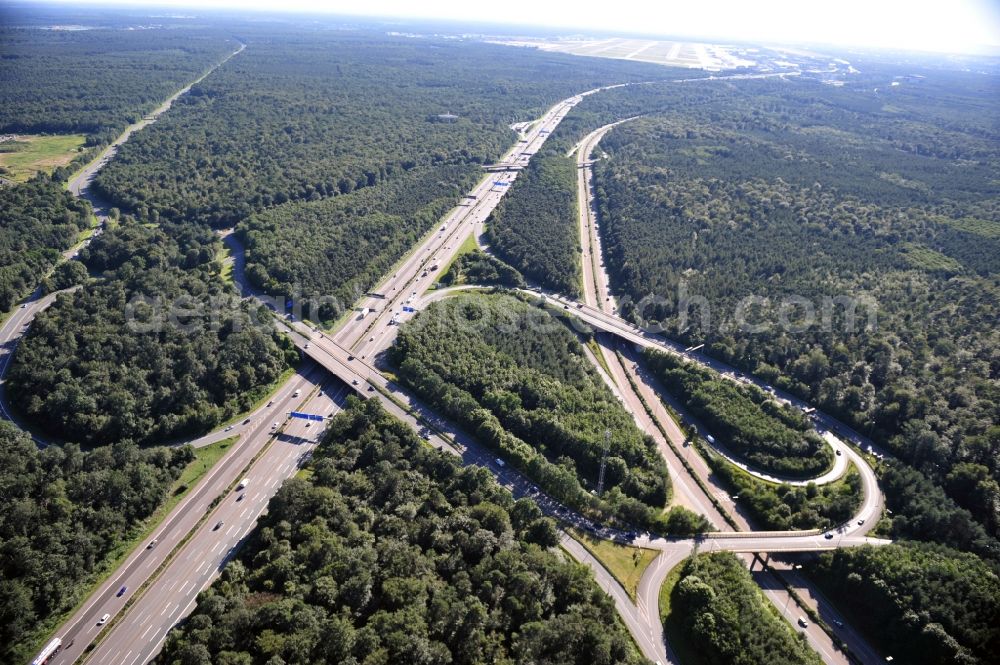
(121, 592)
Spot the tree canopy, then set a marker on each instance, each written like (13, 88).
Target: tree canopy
(158, 348)
(747, 421)
(920, 603)
(534, 228)
(392, 552)
(97, 81)
(841, 244)
(338, 248)
(516, 377)
(784, 507)
(65, 511)
(728, 619)
(305, 114)
(38, 219)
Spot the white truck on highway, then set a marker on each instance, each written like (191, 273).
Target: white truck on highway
(243, 484)
(50, 650)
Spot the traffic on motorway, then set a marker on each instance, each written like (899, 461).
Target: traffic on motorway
(159, 582)
(130, 614)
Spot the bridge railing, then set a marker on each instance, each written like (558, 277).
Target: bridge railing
(761, 534)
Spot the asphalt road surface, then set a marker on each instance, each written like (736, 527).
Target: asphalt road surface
(596, 291)
(10, 336)
(135, 635)
(597, 294)
(645, 625)
(416, 271)
(79, 183)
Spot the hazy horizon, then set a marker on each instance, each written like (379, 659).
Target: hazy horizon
(962, 26)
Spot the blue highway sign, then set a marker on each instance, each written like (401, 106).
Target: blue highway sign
(306, 416)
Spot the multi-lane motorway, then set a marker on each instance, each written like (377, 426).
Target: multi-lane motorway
(357, 344)
(365, 335)
(597, 294)
(596, 290)
(641, 620)
(134, 635)
(349, 353)
(200, 535)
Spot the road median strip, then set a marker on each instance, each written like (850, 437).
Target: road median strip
(687, 465)
(814, 616)
(175, 551)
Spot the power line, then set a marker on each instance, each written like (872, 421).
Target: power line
(604, 461)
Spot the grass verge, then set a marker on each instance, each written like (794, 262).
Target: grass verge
(172, 555)
(595, 348)
(626, 563)
(205, 459)
(686, 651)
(467, 247)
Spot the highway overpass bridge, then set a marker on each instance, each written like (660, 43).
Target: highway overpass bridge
(369, 383)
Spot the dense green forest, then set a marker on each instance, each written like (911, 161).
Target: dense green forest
(65, 275)
(517, 378)
(534, 228)
(338, 248)
(96, 82)
(392, 552)
(158, 348)
(920, 603)
(478, 267)
(64, 512)
(921, 510)
(798, 190)
(304, 114)
(727, 618)
(93, 82)
(38, 219)
(746, 420)
(630, 101)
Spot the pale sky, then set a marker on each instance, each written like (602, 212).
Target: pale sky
(941, 25)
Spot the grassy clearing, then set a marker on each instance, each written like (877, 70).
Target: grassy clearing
(26, 156)
(925, 258)
(87, 233)
(205, 459)
(228, 262)
(986, 228)
(687, 652)
(625, 562)
(467, 247)
(595, 348)
(227, 272)
(703, 153)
